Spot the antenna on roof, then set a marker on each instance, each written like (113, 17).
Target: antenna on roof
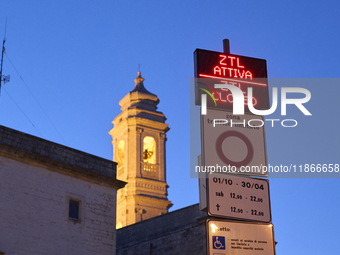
(2, 77)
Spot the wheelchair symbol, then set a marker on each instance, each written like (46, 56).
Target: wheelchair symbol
(218, 242)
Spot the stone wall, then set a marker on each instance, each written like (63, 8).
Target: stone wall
(46, 152)
(37, 179)
(181, 232)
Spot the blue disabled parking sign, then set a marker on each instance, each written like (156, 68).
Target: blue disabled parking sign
(218, 242)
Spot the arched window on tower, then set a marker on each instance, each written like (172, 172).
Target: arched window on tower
(120, 153)
(149, 150)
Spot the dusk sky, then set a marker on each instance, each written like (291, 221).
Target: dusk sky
(72, 61)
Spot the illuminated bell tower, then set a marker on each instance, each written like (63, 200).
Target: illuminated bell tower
(139, 136)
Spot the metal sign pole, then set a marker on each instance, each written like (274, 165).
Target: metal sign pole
(238, 203)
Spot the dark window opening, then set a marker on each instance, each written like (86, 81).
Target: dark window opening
(73, 212)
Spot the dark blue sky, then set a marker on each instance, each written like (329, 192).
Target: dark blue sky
(79, 58)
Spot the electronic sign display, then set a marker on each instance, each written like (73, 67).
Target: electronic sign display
(221, 68)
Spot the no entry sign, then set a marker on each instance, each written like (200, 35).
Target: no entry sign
(233, 143)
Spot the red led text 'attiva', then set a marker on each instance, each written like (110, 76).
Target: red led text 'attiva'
(230, 66)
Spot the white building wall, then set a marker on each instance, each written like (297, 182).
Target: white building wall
(34, 212)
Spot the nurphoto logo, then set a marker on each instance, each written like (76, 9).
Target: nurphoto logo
(239, 100)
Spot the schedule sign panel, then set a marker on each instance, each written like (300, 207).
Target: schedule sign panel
(235, 238)
(220, 68)
(238, 198)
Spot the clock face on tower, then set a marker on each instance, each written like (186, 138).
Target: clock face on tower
(149, 150)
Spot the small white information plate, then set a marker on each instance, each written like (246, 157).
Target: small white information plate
(236, 238)
(235, 197)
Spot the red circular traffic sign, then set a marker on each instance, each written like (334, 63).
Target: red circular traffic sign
(222, 156)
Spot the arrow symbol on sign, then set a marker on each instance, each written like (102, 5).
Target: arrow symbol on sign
(218, 207)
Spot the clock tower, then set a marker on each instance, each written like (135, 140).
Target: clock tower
(138, 138)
